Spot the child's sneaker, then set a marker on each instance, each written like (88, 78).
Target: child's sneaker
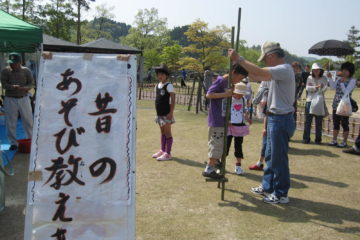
(164, 157)
(342, 145)
(257, 167)
(218, 164)
(212, 174)
(158, 154)
(333, 143)
(239, 170)
(272, 199)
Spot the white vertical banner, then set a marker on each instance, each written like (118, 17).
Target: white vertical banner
(82, 164)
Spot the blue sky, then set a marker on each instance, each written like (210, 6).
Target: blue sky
(297, 25)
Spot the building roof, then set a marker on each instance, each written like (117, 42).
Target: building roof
(103, 43)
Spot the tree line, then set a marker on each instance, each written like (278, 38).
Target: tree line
(193, 47)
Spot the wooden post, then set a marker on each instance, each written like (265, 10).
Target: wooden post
(198, 99)
(199, 103)
(227, 118)
(192, 94)
(140, 93)
(238, 32)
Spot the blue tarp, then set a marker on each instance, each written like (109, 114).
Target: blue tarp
(8, 155)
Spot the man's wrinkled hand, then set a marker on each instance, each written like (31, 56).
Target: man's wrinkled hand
(233, 55)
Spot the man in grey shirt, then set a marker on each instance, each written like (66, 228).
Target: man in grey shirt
(17, 81)
(280, 125)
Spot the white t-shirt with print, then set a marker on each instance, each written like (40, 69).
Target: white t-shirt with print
(238, 108)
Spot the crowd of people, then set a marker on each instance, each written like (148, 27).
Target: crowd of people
(276, 99)
(281, 86)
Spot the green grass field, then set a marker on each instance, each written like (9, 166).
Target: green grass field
(174, 201)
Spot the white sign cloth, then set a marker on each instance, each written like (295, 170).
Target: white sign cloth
(82, 163)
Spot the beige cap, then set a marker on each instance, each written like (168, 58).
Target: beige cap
(241, 88)
(268, 47)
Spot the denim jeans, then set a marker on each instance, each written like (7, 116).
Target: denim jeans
(307, 125)
(280, 129)
(263, 146)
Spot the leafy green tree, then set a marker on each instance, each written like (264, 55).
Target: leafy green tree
(177, 34)
(208, 47)
(115, 29)
(5, 5)
(23, 9)
(353, 38)
(252, 55)
(57, 18)
(149, 32)
(152, 58)
(102, 15)
(191, 64)
(171, 56)
(80, 4)
(88, 33)
(26, 9)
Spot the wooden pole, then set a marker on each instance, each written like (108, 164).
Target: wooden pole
(238, 32)
(198, 102)
(200, 93)
(227, 118)
(228, 106)
(192, 94)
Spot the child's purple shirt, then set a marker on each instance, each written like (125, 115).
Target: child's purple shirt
(215, 118)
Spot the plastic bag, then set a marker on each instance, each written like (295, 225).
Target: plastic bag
(317, 107)
(344, 108)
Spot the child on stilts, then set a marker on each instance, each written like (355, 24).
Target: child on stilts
(165, 105)
(216, 119)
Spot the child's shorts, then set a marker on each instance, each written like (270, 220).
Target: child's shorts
(215, 142)
(162, 120)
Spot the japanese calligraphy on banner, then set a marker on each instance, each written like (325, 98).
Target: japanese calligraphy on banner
(82, 168)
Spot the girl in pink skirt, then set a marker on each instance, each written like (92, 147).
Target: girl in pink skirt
(237, 127)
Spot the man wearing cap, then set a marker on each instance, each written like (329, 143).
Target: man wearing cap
(17, 81)
(280, 125)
